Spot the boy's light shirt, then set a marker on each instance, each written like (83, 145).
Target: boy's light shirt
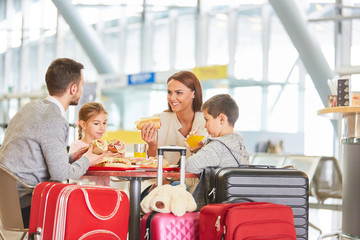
(58, 104)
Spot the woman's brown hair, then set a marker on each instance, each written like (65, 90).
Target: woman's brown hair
(88, 111)
(190, 80)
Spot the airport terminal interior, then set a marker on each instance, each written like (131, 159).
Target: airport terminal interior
(277, 58)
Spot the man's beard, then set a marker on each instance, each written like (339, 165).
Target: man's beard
(74, 101)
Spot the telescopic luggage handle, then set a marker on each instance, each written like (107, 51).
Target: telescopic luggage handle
(161, 151)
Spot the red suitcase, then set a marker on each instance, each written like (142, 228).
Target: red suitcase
(69, 211)
(159, 226)
(249, 220)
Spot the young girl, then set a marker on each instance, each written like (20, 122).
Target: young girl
(92, 125)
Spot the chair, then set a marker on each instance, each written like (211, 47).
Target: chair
(10, 210)
(268, 159)
(327, 180)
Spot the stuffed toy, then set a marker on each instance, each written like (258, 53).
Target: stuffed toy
(167, 198)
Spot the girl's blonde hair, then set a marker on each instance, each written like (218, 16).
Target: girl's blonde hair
(87, 112)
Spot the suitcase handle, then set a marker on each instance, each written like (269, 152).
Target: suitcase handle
(161, 151)
(238, 200)
(256, 166)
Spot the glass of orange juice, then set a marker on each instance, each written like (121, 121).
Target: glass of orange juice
(140, 150)
(193, 140)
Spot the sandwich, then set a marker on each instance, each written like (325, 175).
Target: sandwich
(152, 162)
(116, 146)
(114, 162)
(154, 120)
(99, 146)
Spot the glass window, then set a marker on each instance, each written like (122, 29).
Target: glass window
(33, 78)
(355, 48)
(248, 56)
(248, 100)
(14, 81)
(185, 48)
(218, 49)
(283, 110)
(2, 10)
(111, 44)
(2, 74)
(318, 130)
(133, 47)
(282, 53)
(161, 46)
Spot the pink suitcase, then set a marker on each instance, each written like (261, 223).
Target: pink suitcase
(69, 211)
(158, 226)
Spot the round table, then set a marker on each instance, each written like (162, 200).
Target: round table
(350, 138)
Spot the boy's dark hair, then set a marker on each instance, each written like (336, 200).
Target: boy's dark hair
(222, 103)
(61, 73)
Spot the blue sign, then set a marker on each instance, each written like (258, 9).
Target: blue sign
(141, 78)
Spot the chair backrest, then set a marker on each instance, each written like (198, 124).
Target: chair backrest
(327, 180)
(268, 159)
(10, 209)
(307, 164)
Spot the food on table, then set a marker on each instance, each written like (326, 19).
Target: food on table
(99, 146)
(116, 146)
(114, 162)
(152, 162)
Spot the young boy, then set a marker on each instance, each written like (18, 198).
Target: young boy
(225, 148)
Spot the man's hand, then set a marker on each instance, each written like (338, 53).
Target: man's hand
(93, 158)
(76, 155)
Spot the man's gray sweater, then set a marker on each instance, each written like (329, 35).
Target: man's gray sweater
(34, 147)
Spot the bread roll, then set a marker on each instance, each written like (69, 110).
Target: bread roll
(153, 120)
(99, 146)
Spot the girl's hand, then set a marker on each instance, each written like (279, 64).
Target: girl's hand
(78, 154)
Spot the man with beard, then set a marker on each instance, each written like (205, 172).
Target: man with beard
(35, 142)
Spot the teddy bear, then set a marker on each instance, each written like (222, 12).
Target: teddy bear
(168, 198)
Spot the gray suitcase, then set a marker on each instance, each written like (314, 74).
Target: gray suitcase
(265, 184)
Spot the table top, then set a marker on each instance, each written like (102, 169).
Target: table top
(138, 174)
(338, 112)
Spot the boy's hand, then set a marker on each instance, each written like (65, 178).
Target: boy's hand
(197, 148)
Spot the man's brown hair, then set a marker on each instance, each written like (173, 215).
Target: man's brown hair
(222, 103)
(61, 73)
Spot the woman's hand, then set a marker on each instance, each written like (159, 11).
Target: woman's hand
(76, 155)
(149, 135)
